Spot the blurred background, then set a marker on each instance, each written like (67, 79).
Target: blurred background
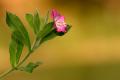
(90, 51)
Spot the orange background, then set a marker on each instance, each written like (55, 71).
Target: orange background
(90, 51)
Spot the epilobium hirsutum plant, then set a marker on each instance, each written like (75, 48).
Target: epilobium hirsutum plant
(43, 31)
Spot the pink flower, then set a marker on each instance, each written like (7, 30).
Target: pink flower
(59, 22)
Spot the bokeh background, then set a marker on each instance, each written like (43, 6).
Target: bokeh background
(90, 51)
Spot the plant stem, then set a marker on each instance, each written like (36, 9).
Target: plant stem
(6, 73)
(13, 69)
(26, 57)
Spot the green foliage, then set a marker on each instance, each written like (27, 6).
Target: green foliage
(15, 24)
(19, 37)
(30, 19)
(37, 22)
(34, 21)
(12, 51)
(49, 36)
(46, 18)
(46, 30)
(30, 67)
(43, 30)
(15, 48)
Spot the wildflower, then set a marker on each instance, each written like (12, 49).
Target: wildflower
(59, 23)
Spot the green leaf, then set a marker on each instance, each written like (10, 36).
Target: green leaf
(19, 52)
(46, 18)
(44, 21)
(17, 37)
(49, 36)
(15, 24)
(46, 30)
(12, 51)
(30, 67)
(34, 21)
(42, 25)
(15, 48)
(37, 22)
(30, 19)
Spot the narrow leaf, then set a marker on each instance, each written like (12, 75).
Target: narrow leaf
(16, 36)
(49, 36)
(44, 21)
(15, 24)
(16, 48)
(46, 18)
(12, 51)
(47, 29)
(19, 52)
(30, 67)
(30, 19)
(36, 22)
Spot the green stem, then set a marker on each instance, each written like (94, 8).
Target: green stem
(13, 69)
(6, 73)
(26, 57)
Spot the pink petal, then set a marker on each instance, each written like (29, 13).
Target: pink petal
(55, 13)
(60, 18)
(59, 23)
(61, 29)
